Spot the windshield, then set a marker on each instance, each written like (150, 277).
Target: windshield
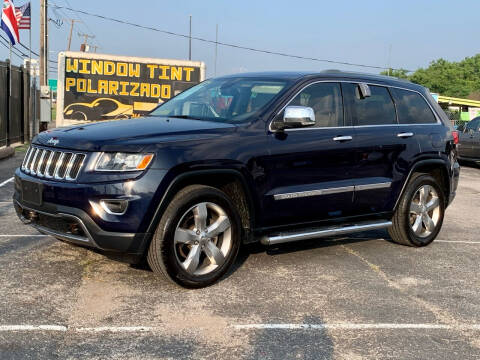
(230, 100)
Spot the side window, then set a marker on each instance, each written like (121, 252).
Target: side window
(412, 108)
(377, 109)
(326, 101)
(472, 126)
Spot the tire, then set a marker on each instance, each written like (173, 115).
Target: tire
(411, 226)
(183, 246)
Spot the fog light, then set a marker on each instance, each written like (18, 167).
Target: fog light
(32, 215)
(114, 207)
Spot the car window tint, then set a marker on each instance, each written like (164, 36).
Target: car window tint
(412, 108)
(377, 109)
(472, 125)
(326, 101)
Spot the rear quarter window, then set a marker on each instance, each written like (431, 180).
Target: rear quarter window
(412, 108)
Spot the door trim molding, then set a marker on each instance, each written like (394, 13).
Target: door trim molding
(382, 185)
(308, 193)
(330, 191)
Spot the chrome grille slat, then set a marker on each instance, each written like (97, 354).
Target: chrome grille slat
(27, 156)
(40, 163)
(33, 167)
(51, 163)
(48, 163)
(63, 167)
(77, 165)
(31, 159)
(69, 167)
(59, 163)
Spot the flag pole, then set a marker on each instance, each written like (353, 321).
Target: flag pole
(9, 95)
(32, 114)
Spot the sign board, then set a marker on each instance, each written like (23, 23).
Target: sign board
(53, 84)
(93, 87)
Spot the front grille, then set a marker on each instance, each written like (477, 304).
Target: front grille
(52, 164)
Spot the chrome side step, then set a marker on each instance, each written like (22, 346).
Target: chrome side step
(307, 234)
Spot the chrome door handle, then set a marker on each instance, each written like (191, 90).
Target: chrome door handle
(342, 138)
(405, 135)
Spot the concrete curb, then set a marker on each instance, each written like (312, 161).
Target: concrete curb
(6, 152)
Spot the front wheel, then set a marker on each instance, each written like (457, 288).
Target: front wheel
(197, 239)
(419, 216)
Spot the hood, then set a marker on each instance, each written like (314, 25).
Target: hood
(130, 135)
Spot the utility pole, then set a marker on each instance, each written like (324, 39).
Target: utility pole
(43, 43)
(190, 41)
(45, 104)
(95, 47)
(72, 22)
(85, 41)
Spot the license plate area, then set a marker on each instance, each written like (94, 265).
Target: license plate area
(32, 192)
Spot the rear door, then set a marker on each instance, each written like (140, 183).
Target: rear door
(309, 169)
(384, 150)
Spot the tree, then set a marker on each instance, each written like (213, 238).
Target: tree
(457, 79)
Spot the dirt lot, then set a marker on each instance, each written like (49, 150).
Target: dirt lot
(358, 297)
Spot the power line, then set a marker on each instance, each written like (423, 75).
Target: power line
(226, 44)
(15, 51)
(86, 25)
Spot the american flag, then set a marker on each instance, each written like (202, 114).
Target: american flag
(23, 14)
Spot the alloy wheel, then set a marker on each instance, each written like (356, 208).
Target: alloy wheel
(424, 211)
(203, 238)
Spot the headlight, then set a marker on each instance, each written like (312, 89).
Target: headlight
(123, 162)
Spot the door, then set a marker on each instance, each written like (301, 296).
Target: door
(384, 150)
(468, 146)
(476, 143)
(308, 170)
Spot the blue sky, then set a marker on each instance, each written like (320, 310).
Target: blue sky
(354, 31)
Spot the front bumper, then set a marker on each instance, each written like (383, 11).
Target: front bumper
(76, 226)
(66, 213)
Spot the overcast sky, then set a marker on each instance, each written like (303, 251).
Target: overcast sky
(349, 30)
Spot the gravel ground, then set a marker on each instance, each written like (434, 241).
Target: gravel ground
(359, 297)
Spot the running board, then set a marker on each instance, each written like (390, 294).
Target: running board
(307, 234)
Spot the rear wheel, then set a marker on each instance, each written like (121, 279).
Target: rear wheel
(419, 216)
(197, 239)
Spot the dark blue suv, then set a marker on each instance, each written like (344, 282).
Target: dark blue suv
(270, 157)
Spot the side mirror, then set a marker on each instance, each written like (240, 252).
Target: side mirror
(297, 116)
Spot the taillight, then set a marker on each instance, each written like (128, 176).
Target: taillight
(455, 137)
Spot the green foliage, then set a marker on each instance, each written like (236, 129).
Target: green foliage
(457, 79)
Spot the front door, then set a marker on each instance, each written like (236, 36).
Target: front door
(308, 170)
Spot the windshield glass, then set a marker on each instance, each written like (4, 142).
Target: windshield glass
(230, 100)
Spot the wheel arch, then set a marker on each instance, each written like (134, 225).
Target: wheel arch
(231, 181)
(438, 168)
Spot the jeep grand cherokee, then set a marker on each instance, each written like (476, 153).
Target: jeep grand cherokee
(270, 157)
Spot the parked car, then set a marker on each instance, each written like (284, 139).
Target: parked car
(469, 142)
(270, 157)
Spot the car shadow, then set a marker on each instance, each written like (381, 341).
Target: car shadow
(256, 248)
(297, 246)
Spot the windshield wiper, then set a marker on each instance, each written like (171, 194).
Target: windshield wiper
(183, 117)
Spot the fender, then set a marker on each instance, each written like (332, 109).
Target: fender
(171, 191)
(416, 166)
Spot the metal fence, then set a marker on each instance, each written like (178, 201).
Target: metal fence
(14, 104)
